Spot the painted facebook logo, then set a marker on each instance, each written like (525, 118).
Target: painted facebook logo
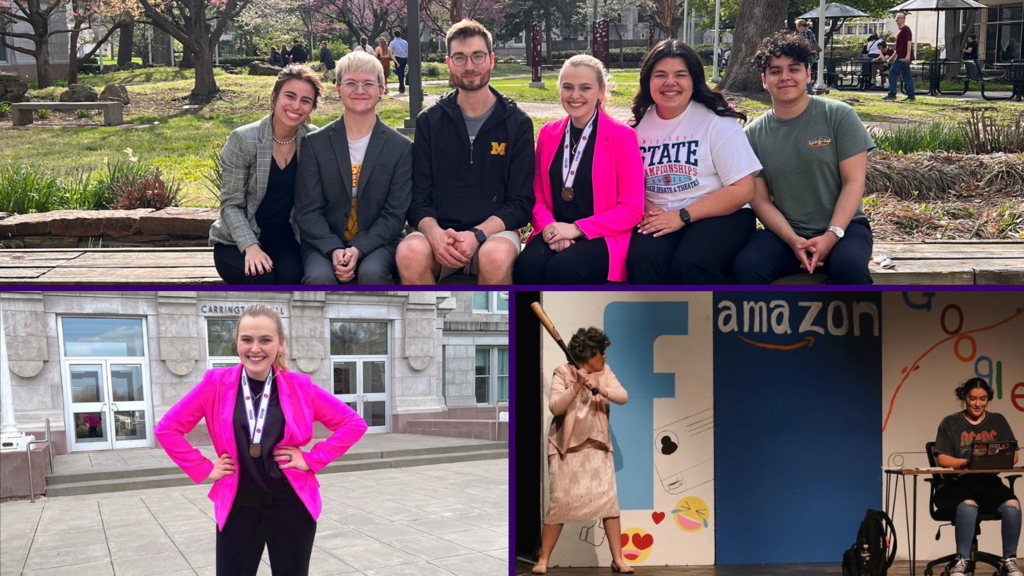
(633, 328)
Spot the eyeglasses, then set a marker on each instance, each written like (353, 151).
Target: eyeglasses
(352, 86)
(478, 58)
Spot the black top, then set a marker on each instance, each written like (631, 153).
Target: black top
(460, 185)
(275, 210)
(259, 475)
(956, 434)
(973, 55)
(582, 203)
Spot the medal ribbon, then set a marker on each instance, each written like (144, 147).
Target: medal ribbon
(256, 421)
(569, 170)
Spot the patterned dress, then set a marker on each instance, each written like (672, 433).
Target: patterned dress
(580, 462)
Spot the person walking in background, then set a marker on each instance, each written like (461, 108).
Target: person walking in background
(362, 47)
(326, 57)
(899, 62)
(383, 53)
(299, 55)
(400, 51)
(808, 34)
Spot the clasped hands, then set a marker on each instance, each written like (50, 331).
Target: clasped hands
(811, 252)
(560, 235)
(344, 261)
(453, 249)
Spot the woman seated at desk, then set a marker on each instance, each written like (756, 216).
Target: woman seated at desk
(967, 492)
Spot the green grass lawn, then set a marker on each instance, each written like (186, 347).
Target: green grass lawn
(180, 144)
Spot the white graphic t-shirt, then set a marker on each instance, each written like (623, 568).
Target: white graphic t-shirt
(692, 155)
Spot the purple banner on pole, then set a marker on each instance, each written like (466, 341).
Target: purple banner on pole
(537, 57)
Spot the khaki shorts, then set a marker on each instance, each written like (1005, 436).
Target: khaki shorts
(473, 267)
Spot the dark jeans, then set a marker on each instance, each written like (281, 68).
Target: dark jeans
(766, 258)
(585, 262)
(377, 267)
(400, 71)
(284, 255)
(701, 253)
(899, 68)
(280, 521)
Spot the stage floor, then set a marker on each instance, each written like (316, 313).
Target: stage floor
(898, 569)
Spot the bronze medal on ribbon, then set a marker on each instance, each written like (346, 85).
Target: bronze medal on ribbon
(567, 194)
(255, 451)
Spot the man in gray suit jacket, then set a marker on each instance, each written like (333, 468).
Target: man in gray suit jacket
(354, 186)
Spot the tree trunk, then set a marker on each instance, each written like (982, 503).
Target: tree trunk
(206, 84)
(547, 34)
(959, 23)
(43, 63)
(126, 43)
(755, 21)
(73, 56)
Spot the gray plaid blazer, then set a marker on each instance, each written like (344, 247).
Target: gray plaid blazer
(245, 161)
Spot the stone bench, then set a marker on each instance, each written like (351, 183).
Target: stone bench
(113, 112)
(917, 263)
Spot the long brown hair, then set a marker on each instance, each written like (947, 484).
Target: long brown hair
(262, 310)
(296, 72)
(711, 99)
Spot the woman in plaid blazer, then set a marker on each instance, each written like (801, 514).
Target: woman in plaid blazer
(254, 240)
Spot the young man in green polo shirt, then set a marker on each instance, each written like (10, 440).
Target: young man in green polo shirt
(814, 151)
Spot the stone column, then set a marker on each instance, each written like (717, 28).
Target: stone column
(307, 343)
(177, 334)
(25, 329)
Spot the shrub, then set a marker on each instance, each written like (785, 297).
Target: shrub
(24, 190)
(43, 114)
(83, 113)
(910, 138)
(215, 178)
(5, 109)
(80, 192)
(983, 135)
(150, 191)
(107, 182)
(431, 70)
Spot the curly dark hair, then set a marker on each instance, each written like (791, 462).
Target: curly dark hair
(783, 44)
(963, 390)
(702, 93)
(587, 343)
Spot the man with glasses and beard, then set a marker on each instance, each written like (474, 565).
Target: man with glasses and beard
(473, 169)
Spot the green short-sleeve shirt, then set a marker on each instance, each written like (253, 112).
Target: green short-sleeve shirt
(800, 158)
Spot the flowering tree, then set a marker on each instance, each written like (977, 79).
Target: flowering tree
(198, 25)
(265, 22)
(439, 15)
(37, 14)
(369, 18)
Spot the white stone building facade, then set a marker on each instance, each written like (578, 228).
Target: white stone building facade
(103, 367)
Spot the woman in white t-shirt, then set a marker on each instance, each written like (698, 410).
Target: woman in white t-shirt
(698, 173)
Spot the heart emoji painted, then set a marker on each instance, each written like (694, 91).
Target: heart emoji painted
(657, 517)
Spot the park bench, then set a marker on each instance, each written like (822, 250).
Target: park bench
(938, 262)
(113, 112)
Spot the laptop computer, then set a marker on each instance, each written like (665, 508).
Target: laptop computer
(992, 455)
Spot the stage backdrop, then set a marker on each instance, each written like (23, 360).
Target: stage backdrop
(932, 343)
(662, 438)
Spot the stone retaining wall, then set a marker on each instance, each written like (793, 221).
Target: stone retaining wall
(170, 227)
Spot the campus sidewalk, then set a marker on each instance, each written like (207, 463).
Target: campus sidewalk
(424, 521)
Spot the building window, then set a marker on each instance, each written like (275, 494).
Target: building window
(489, 302)
(220, 343)
(90, 337)
(491, 374)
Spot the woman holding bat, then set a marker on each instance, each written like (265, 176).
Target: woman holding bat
(580, 447)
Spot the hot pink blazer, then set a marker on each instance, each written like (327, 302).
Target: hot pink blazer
(618, 187)
(302, 402)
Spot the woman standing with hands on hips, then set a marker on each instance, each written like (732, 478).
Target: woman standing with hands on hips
(588, 182)
(580, 448)
(259, 415)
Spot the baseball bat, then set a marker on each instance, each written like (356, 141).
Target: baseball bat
(550, 327)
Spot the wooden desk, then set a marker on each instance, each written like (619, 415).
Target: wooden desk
(898, 473)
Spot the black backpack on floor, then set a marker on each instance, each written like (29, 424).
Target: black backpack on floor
(875, 549)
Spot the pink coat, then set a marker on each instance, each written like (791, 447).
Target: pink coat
(618, 187)
(302, 402)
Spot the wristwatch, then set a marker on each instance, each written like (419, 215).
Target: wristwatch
(837, 231)
(481, 237)
(685, 215)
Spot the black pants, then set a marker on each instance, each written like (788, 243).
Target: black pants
(585, 262)
(230, 263)
(988, 491)
(701, 253)
(279, 521)
(400, 71)
(766, 258)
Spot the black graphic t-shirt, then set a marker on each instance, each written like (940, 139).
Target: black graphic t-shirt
(956, 434)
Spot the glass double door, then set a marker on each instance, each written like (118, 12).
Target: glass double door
(362, 384)
(109, 404)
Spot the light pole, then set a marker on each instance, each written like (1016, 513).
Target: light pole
(820, 86)
(413, 72)
(714, 74)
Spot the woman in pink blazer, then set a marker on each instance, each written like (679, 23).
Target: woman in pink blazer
(589, 184)
(259, 415)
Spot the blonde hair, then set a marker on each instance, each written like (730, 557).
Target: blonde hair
(359, 62)
(604, 79)
(262, 310)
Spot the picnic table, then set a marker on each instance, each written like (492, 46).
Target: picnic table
(935, 71)
(1015, 76)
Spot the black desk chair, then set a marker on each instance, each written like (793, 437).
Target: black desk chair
(949, 515)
